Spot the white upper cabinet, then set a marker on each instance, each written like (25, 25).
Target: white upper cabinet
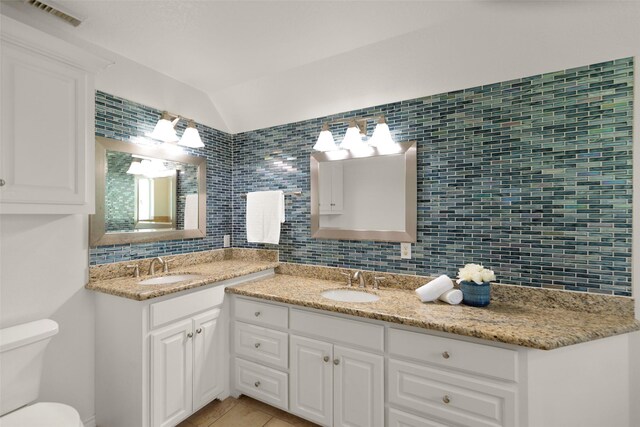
(331, 188)
(47, 123)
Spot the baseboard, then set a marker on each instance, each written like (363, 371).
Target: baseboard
(90, 422)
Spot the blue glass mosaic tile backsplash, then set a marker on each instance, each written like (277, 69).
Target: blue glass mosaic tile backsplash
(530, 177)
(124, 120)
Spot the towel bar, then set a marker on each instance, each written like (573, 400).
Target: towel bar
(290, 193)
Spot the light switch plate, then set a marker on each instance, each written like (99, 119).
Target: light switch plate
(405, 250)
(227, 241)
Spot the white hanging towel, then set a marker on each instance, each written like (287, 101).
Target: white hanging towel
(265, 213)
(191, 212)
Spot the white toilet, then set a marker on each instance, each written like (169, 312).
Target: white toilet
(21, 358)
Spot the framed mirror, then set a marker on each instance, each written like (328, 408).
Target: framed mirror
(365, 195)
(147, 194)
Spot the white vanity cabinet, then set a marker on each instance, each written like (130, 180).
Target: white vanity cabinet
(336, 385)
(47, 121)
(187, 369)
(160, 360)
(326, 369)
(347, 371)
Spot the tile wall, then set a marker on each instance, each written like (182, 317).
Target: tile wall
(125, 120)
(531, 177)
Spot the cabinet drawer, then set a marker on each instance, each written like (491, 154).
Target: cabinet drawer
(261, 313)
(402, 419)
(334, 329)
(471, 357)
(187, 305)
(264, 345)
(265, 384)
(453, 398)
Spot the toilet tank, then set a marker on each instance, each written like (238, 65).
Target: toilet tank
(21, 358)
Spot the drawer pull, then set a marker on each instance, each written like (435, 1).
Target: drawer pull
(199, 330)
(336, 361)
(257, 345)
(446, 399)
(257, 314)
(326, 358)
(446, 354)
(257, 384)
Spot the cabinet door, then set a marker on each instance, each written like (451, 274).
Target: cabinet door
(358, 388)
(208, 371)
(171, 374)
(324, 187)
(311, 379)
(337, 186)
(43, 144)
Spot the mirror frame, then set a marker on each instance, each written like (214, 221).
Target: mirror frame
(97, 234)
(409, 235)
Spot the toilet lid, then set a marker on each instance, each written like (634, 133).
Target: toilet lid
(42, 414)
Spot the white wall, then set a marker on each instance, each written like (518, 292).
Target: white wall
(491, 42)
(43, 270)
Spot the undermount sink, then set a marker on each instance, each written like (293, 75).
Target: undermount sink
(347, 295)
(167, 280)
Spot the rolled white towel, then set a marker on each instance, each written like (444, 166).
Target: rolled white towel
(452, 296)
(432, 290)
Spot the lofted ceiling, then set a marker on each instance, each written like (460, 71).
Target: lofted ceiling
(263, 63)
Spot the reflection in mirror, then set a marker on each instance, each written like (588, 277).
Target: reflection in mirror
(368, 196)
(146, 193)
(161, 196)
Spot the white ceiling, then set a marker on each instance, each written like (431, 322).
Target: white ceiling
(264, 63)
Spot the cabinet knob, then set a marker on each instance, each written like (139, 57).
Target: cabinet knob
(446, 399)
(199, 330)
(336, 361)
(446, 355)
(257, 313)
(257, 345)
(257, 384)
(190, 335)
(2, 182)
(326, 358)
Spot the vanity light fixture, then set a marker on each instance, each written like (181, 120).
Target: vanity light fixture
(164, 130)
(353, 137)
(191, 137)
(325, 140)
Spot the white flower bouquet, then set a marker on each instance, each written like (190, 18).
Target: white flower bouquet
(475, 273)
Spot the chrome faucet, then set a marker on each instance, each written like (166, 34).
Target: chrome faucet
(359, 275)
(152, 266)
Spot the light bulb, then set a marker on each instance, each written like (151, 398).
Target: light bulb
(325, 140)
(191, 137)
(381, 137)
(164, 131)
(353, 138)
(135, 168)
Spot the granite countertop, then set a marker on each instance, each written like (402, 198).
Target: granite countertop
(516, 323)
(213, 266)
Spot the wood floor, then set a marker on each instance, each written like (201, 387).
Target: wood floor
(242, 412)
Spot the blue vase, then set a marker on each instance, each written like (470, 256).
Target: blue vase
(476, 295)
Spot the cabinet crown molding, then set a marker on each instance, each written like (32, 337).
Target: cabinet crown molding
(45, 44)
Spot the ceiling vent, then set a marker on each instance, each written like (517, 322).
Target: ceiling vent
(53, 9)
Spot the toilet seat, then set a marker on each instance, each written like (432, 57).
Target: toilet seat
(43, 414)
